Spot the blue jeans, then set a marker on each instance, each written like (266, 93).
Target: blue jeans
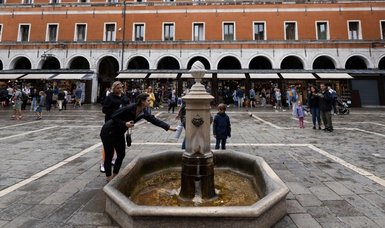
(33, 103)
(315, 114)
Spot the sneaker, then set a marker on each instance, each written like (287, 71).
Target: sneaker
(113, 162)
(314, 127)
(102, 170)
(319, 128)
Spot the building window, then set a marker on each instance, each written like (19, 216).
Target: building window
(382, 24)
(1, 1)
(291, 31)
(139, 32)
(354, 30)
(168, 32)
(1, 31)
(169, 0)
(23, 33)
(109, 32)
(112, 1)
(52, 31)
(259, 31)
(198, 32)
(55, 1)
(26, 1)
(80, 33)
(228, 31)
(322, 31)
(83, 1)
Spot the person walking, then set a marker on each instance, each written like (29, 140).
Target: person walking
(34, 96)
(325, 105)
(221, 127)
(40, 105)
(262, 95)
(172, 99)
(78, 97)
(252, 96)
(278, 98)
(240, 94)
(17, 102)
(151, 94)
(48, 99)
(293, 96)
(60, 99)
(313, 104)
(299, 112)
(112, 133)
(334, 101)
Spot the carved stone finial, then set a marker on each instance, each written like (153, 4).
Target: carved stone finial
(198, 71)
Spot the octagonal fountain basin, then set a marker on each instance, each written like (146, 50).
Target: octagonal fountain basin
(146, 193)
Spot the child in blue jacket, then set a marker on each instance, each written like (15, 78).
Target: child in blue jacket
(221, 127)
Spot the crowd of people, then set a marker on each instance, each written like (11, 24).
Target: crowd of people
(19, 97)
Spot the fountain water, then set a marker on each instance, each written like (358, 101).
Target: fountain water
(169, 189)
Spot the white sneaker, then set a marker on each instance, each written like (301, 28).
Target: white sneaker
(102, 170)
(113, 161)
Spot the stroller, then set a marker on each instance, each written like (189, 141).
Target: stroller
(342, 107)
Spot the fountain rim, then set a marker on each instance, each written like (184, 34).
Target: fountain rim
(256, 209)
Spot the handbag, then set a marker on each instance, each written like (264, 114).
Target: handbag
(128, 138)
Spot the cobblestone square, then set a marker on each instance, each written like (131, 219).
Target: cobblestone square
(50, 174)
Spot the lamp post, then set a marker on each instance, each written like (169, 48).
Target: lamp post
(124, 33)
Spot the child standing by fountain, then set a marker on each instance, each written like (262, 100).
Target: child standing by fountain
(221, 127)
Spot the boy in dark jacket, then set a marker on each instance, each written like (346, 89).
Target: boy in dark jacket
(221, 127)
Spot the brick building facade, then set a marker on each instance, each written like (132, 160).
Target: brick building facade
(230, 38)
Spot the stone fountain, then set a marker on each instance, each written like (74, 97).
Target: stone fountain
(171, 188)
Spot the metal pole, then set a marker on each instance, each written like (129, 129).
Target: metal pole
(124, 34)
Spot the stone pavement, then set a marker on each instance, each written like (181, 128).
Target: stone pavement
(50, 171)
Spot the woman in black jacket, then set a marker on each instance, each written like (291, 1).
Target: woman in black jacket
(113, 101)
(112, 133)
(313, 104)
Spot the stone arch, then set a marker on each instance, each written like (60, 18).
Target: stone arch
(1, 65)
(168, 63)
(138, 63)
(229, 63)
(381, 64)
(21, 63)
(79, 62)
(203, 60)
(324, 62)
(50, 63)
(292, 62)
(260, 62)
(356, 62)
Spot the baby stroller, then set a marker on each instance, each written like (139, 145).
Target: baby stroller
(342, 107)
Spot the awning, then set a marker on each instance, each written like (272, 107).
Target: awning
(73, 76)
(189, 76)
(231, 76)
(131, 76)
(264, 76)
(298, 76)
(334, 76)
(10, 76)
(38, 76)
(163, 76)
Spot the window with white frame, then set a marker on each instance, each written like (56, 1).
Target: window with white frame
(52, 31)
(382, 25)
(81, 32)
(291, 31)
(83, 1)
(55, 1)
(168, 31)
(354, 30)
(1, 31)
(1, 1)
(322, 30)
(198, 32)
(259, 31)
(26, 2)
(138, 32)
(228, 31)
(110, 32)
(112, 1)
(24, 31)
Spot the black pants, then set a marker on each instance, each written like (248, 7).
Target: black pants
(222, 142)
(171, 106)
(111, 143)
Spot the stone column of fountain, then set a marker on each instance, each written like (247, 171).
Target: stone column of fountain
(197, 161)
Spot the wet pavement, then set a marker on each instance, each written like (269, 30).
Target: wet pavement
(50, 171)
